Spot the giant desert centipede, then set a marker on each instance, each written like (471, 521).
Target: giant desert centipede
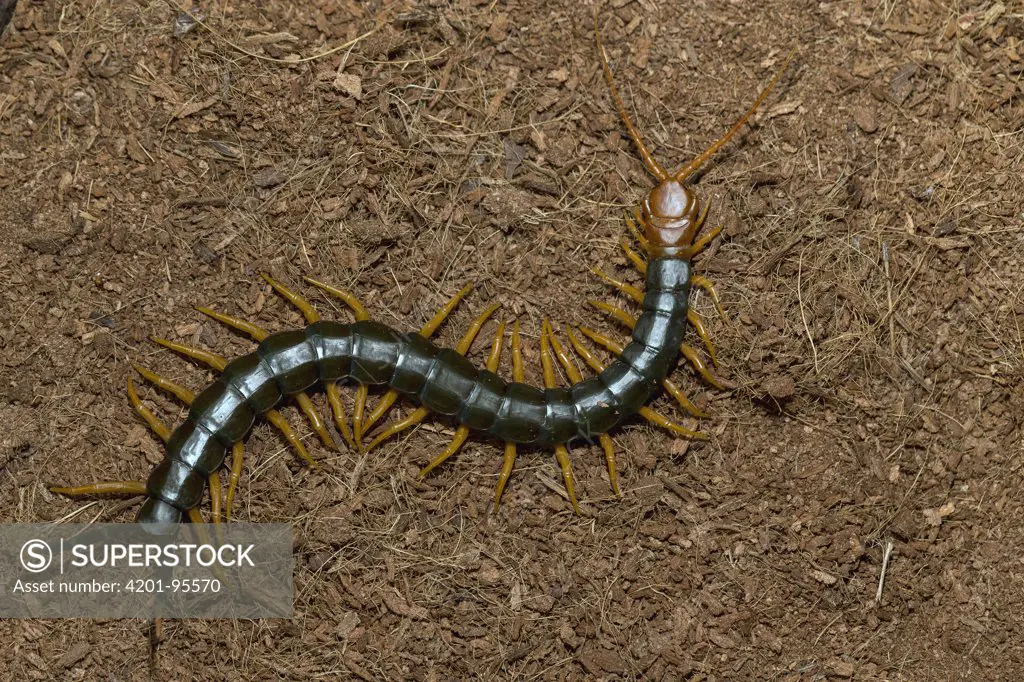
(444, 381)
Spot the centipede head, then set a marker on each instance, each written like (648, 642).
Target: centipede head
(672, 214)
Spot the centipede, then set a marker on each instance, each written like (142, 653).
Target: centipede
(665, 233)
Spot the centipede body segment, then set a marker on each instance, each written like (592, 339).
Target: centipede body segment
(328, 354)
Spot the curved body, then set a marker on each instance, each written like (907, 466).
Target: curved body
(442, 380)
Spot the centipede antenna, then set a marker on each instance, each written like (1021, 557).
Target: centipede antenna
(509, 458)
(692, 167)
(653, 166)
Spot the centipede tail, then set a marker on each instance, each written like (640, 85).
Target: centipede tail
(668, 228)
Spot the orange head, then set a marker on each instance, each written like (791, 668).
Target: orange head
(671, 216)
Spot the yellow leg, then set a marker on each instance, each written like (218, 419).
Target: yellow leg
(105, 488)
(158, 427)
(214, 483)
(338, 410)
(702, 243)
(358, 410)
(462, 348)
(358, 309)
(177, 390)
(258, 334)
(575, 377)
(462, 433)
(212, 360)
(698, 326)
(426, 332)
(561, 453)
(645, 412)
(237, 458)
(195, 516)
(635, 258)
(518, 375)
(627, 289)
(281, 424)
(616, 349)
(304, 306)
(690, 353)
(705, 284)
(631, 223)
(418, 415)
(617, 313)
(218, 363)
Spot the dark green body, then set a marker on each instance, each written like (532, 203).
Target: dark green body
(440, 379)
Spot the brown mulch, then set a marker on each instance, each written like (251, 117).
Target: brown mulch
(871, 268)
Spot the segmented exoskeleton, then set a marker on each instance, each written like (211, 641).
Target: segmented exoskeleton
(444, 381)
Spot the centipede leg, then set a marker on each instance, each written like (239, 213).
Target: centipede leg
(706, 284)
(414, 418)
(177, 390)
(575, 377)
(426, 332)
(305, 404)
(462, 433)
(104, 488)
(121, 487)
(703, 242)
(698, 364)
(154, 423)
(698, 326)
(635, 258)
(420, 414)
(214, 485)
(561, 453)
(627, 289)
(218, 363)
(237, 459)
(509, 460)
(333, 391)
(645, 412)
(258, 334)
